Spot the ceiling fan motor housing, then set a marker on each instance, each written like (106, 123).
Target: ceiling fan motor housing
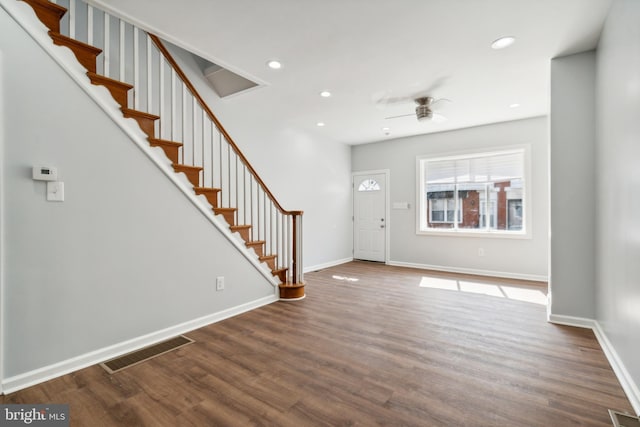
(423, 112)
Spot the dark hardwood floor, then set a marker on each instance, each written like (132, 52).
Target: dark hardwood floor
(370, 345)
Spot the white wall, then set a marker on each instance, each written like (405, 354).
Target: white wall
(618, 186)
(126, 254)
(504, 256)
(303, 171)
(573, 185)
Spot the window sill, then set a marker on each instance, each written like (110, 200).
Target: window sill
(471, 233)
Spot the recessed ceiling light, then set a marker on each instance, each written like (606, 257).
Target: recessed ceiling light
(320, 124)
(503, 42)
(386, 129)
(274, 64)
(325, 94)
(514, 105)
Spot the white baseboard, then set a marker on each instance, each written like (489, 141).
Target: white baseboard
(580, 322)
(628, 384)
(327, 264)
(461, 270)
(27, 379)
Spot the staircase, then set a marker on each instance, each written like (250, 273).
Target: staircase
(157, 94)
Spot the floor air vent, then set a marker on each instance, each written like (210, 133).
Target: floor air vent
(119, 363)
(623, 420)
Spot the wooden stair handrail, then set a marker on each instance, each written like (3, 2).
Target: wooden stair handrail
(156, 40)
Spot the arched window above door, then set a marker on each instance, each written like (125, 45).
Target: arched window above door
(369, 185)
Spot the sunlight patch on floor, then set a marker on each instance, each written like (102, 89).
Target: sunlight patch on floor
(535, 296)
(345, 278)
(481, 288)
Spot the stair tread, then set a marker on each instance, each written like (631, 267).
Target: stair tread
(84, 53)
(200, 190)
(263, 257)
(240, 227)
(51, 6)
(165, 142)
(138, 113)
(69, 41)
(101, 78)
(188, 167)
(225, 209)
(255, 243)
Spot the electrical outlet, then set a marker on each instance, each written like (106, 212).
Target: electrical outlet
(480, 251)
(220, 283)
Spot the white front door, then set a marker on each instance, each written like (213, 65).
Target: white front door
(369, 216)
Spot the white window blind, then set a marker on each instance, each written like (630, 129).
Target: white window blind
(480, 192)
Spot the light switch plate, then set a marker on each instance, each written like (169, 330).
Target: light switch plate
(55, 191)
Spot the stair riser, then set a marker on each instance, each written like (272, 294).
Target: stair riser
(229, 216)
(48, 13)
(211, 194)
(244, 233)
(282, 275)
(85, 54)
(212, 198)
(146, 124)
(258, 249)
(118, 91)
(171, 152)
(271, 262)
(193, 175)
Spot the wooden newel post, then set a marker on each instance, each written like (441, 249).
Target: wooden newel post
(295, 289)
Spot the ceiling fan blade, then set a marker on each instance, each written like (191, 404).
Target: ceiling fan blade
(435, 101)
(438, 118)
(429, 90)
(383, 101)
(397, 117)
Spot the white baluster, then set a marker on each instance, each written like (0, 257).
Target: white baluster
(149, 76)
(194, 125)
(136, 70)
(173, 106)
(121, 52)
(161, 101)
(72, 19)
(107, 42)
(90, 24)
(184, 119)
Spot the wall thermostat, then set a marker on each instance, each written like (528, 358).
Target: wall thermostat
(45, 173)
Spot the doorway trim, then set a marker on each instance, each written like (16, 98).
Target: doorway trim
(387, 210)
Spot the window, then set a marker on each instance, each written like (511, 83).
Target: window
(476, 193)
(369, 185)
(442, 210)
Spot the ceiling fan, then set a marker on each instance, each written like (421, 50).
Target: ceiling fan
(424, 110)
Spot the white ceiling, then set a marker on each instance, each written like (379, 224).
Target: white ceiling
(369, 51)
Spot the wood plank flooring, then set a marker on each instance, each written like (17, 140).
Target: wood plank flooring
(368, 346)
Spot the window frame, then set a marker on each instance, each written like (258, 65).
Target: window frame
(422, 205)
